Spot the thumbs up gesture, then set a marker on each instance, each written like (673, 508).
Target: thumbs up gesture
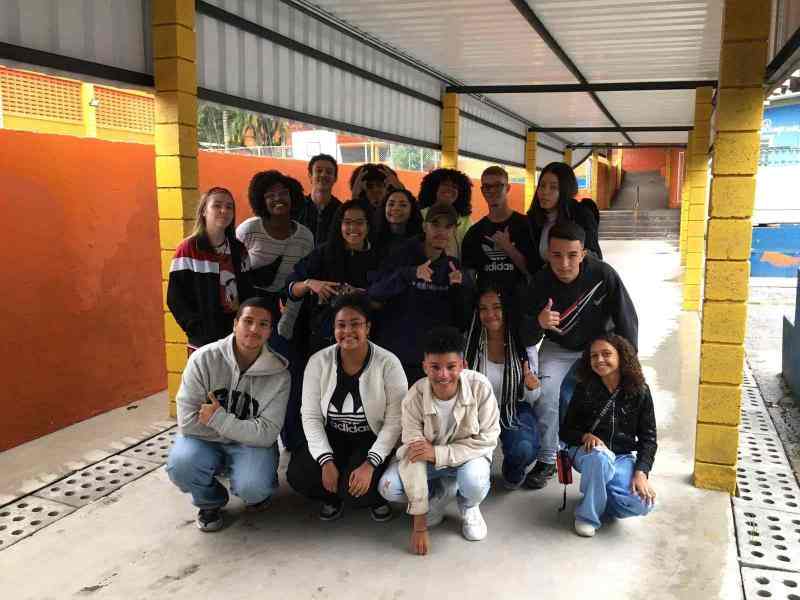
(456, 278)
(549, 318)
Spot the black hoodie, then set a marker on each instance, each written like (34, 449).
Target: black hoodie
(595, 303)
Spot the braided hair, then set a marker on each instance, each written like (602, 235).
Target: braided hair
(477, 354)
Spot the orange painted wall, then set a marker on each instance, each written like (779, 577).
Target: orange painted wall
(82, 319)
(635, 160)
(234, 172)
(83, 323)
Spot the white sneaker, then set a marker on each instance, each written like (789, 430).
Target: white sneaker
(584, 529)
(446, 489)
(473, 527)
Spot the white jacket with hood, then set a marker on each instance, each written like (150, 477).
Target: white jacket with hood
(253, 402)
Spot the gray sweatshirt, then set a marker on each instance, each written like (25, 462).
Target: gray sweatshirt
(253, 403)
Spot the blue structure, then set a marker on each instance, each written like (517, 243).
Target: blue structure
(791, 346)
(775, 251)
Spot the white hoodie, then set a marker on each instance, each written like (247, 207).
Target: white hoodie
(253, 403)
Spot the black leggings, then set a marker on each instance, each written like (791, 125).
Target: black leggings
(305, 475)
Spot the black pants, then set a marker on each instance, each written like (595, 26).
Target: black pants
(349, 452)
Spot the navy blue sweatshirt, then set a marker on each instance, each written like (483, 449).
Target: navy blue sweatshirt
(595, 303)
(411, 306)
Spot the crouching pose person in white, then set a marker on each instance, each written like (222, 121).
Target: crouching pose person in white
(352, 393)
(231, 406)
(450, 429)
(611, 430)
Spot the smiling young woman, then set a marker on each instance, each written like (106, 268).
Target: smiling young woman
(209, 272)
(352, 395)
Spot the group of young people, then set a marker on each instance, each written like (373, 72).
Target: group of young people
(391, 344)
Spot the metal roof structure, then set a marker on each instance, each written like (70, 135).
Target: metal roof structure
(580, 72)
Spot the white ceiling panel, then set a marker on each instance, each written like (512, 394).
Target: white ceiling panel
(576, 109)
(663, 107)
(660, 137)
(475, 41)
(596, 137)
(637, 40)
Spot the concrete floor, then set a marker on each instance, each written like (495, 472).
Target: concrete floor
(141, 542)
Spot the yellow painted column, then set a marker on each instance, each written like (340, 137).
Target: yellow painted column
(88, 110)
(530, 168)
(698, 192)
(746, 26)
(176, 152)
(685, 201)
(595, 176)
(450, 127)
(568, 156)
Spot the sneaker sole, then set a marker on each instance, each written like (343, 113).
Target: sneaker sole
(210, 527)
(333, 517)
(380, 519)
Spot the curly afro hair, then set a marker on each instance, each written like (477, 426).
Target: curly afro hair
(631, 376)
(264, 180)
(430, 185)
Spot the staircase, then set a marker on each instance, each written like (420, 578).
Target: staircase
(620, 224)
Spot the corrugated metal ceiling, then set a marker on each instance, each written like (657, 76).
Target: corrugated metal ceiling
(489, 42)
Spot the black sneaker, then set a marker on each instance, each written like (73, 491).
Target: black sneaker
(381, 512)
(209, 519)
(330, 512)
(539, 476)
(260, 507)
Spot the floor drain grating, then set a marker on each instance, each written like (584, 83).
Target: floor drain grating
(767, 538)
(763, 583)
(155, 449)
(760, 449)
(771, 488)
(756, 421)
(26, 516)
(751, 400)
(96, 481)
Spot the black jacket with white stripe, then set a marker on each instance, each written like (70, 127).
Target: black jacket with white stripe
(193, 292)
(595, 303)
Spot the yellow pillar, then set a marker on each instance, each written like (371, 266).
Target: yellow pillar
(698, 192)
(88, 110)
(568, 156)
(595, 178)
(685, 201)
(530, 168)
(450, 119)
(746, 26)
(176, 151)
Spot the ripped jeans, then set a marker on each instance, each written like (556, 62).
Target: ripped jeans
(472, 479)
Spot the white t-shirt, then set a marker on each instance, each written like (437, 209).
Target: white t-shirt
(494, 373)
(444, 408)
(264, 249)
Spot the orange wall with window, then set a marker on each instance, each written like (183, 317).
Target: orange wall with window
(82, 325)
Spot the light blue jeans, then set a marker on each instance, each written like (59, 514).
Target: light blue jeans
(555, 364)
(193, 466)
(606, 486)
(472, 479)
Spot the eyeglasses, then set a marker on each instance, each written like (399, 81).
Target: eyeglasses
(279, 195)
(342, 325)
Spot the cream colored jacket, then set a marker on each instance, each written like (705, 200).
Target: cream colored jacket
(474, 433)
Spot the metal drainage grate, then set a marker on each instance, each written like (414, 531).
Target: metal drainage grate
(96, 481)
(26, 516)
(747, 377)
(767, 538)
(761, 449)
(155, 449)
(752, 400)
(762, 583)
(773, 488)
(756, 421)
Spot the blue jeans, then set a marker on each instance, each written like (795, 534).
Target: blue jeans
(606, 486)
(520, 445)
(193, 465)
(472, 478)
(566, 391)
